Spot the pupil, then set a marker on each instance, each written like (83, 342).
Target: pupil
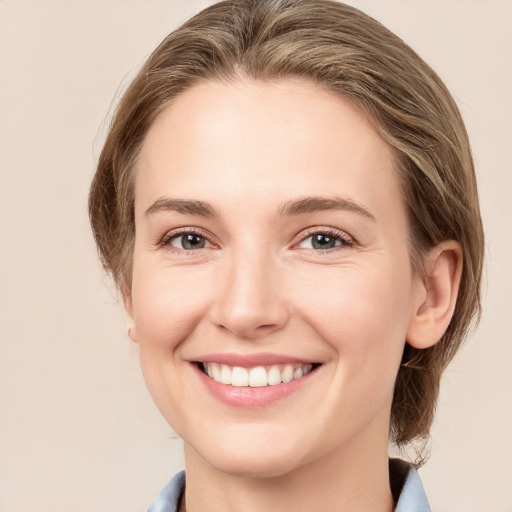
(323, 242)
(192, 241)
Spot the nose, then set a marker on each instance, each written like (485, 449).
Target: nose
(250, 302)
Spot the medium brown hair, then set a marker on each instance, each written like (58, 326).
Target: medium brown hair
(351, 54)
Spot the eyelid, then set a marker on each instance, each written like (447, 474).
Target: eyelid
(165, 240)
(347, 240)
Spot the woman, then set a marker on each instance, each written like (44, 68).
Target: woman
(287, 202)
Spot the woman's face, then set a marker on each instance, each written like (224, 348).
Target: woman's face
(271, 241)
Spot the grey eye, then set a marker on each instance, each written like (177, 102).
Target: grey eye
(189, 242)
(320, 241)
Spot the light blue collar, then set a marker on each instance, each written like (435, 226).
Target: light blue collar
(169, 498)
(412, 496)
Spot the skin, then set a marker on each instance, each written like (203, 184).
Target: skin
(256, 285)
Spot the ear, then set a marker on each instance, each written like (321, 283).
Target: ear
(128, 305)
(436, 295)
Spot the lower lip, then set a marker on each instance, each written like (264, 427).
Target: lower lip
(245, 396)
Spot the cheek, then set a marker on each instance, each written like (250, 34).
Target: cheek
(167, 305)
(362, 315)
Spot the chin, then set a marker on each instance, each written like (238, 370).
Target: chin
(249, 459)
(256, 467)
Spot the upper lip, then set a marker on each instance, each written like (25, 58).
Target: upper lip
(251, 360)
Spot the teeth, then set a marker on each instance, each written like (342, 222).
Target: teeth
(274, 376)
(225, 374)
(256, 377)
(287, 374)
(240, 377)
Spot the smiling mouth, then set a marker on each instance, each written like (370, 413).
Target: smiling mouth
(258, 376)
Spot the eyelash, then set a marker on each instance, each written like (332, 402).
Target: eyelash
(176, 233)
(346, 240)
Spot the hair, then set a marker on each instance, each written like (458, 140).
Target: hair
(349, 53)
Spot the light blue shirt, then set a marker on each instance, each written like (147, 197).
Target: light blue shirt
(412, 497)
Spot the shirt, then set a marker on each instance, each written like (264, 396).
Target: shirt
(405, 482)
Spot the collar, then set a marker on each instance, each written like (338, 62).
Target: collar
(406, 487)
(405, 484)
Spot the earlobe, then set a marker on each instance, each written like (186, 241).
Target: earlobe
(131, 327)
(437, 295)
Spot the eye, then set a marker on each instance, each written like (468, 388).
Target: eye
(186, 241)
(325, 240)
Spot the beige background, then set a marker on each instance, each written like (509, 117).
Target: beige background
(78, 430)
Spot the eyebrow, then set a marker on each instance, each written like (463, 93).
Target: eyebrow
(294, 207)
(184, 206)
(314, 204)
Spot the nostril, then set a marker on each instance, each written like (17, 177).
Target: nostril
(248, 330)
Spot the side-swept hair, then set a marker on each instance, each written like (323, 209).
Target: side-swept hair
(354, 56)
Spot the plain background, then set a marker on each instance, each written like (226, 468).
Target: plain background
(78, 430)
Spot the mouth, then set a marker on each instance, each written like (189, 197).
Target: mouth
(256, 376)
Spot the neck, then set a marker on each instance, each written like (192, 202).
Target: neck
(349, 479)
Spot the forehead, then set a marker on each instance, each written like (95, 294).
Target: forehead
(261, 139)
